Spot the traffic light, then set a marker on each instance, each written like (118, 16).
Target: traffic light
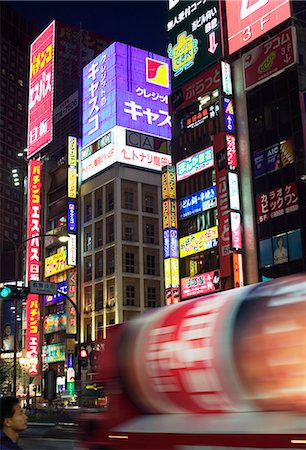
(83, 357)
(5, 292)
(12, 292)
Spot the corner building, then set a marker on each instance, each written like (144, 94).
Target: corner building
(125, 144)
(244, 97)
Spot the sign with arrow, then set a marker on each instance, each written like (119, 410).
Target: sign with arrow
(194, 34)
(270, 58)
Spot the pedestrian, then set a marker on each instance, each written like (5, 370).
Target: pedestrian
(13, 421)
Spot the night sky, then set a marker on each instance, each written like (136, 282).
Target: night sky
(138, 23)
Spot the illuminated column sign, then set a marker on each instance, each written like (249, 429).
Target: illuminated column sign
(170, 234)
(229, 216)
(40, 111)
(33, 263)
(72, 167)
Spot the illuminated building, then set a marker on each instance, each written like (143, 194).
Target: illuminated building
(237, 143)
(125, 145)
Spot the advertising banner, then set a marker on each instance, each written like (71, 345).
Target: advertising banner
(262, 207)
(55, 352)
(40, 110)
(195, 163)
(247, 20)
(54, 323)
(273, 158)
(71, 312)
(71, 217)
(231, 151)
(56, 263)
(270, 58)
(202, 284)
(199, 242)
(33, 262)
(194, 34)
(129, 87)
(199, 86)
(168, 182)
(236, 236)
(198, 202)
(62, 287)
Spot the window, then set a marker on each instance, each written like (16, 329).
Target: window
(87, 268)
(151, 297)
(87, 208)
(99, 234)
(99, 297)
(129, 200)
(111, 293)
(129, 262)
(88, 299)
(149, 203)
(149, 233)
(130, 296)
(110, 201)
(110, 258)
(128, 231)
(98, 207)
(110, 234)
(150, 264)
(88, 240)
(99, 265)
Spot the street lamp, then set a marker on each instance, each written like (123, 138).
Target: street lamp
(62, 237)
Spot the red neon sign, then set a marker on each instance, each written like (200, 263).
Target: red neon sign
(41, 91)
(247, 20)
(33, 263)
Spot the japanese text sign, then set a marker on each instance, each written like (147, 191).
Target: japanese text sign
(71, 217)
(195, 163)
(198, 242)
(194, 38)
(204, 283)
(40, 110)
(198, 202)
(33, 261)
(168, 182)
(269, 58)
(247, 20)
(129, 87)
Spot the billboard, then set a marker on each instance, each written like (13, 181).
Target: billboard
(129, 87)
(280, 249)
(199, 86)
(54, 323)
(40, 109)
(33, 262)
(273, 158)
(195, 164)
(270, 58)
(197, 203)
(194, 36)
(205, 283)
(277, 202)
(198, 242)
(57, 262)
(247, 20)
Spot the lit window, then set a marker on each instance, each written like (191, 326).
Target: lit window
(20, 82)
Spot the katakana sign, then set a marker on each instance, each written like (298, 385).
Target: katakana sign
(129, 87)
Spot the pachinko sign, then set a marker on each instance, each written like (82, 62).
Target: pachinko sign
(33, 262)
(40, 112)
(128, 87)
(198, 242)
(205, 283)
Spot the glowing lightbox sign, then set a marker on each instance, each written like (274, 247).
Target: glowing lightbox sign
(198, 202)
(129, 87)
(204, 283)
(56, 263)
(195, 164)
(233, 189)
(236, 237)
(199, 242)
(247, 20)
(40, 110)
(170, 243)
(194, 35)
(71, 217)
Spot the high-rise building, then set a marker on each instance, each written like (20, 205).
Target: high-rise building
(16, 34)
(238, 112)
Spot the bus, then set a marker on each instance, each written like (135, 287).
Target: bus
(219, 372)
